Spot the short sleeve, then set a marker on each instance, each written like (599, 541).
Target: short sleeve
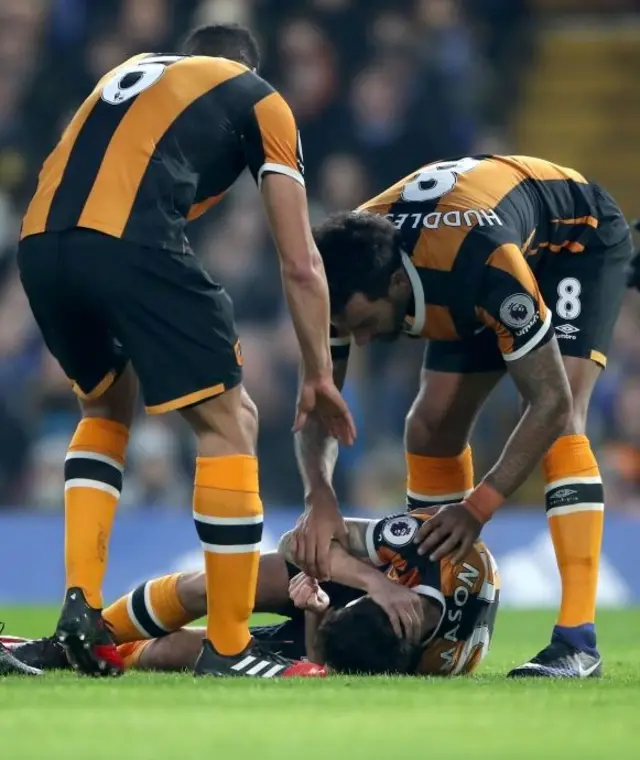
(271, 140)
(390, 542)
(340, 344)
(510, 303)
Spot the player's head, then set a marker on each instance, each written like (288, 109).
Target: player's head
(369, 288)
(230, 41)
(359, 640)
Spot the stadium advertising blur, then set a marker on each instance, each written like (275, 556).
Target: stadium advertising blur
(146, 545)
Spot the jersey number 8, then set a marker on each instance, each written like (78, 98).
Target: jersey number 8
(131, 80)
(435, 180)
(568, 305)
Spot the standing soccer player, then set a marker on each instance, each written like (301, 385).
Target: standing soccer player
(120, 299)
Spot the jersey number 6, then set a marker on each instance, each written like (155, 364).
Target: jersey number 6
(131, 80)
(435, 180)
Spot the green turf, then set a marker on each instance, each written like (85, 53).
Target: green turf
(153, 717)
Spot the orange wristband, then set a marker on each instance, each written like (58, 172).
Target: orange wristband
(483, 501)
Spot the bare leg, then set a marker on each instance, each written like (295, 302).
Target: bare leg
(272, 590)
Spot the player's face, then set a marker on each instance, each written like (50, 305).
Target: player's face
(370, 320)
(381, 319)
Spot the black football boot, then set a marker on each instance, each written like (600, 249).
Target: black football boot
(560, 660)
(254, 661)
(86, 639)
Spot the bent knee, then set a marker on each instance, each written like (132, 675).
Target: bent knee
(192, 593)
(429, 432)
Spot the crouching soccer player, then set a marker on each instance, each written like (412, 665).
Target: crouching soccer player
(386, 610)
(506, 264)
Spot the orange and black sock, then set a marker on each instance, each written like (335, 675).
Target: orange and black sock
(93, 482)
(438, 480)
(575, 511)
(228, 514)
(150, 611)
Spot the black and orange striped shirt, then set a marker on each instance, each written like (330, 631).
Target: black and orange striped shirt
(159, 140)
(475, 232)
(466, 593)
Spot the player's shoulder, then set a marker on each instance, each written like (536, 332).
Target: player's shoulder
(396, 532)
(477, 573)
(400, 529)
(182, 65)
(202, 67)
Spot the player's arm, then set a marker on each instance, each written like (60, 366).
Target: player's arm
(357, 566)
(510, 303)
(542, 382)
(272, 147)
(316, 450)
(351, 566)
(317, 453)
(355, 542)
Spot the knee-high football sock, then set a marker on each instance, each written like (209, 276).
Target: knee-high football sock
(93, 482)
(575, 510)
(438, 480)
(228, 514)
(151, 610)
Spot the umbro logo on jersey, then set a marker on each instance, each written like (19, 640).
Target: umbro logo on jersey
(567, 331)
(252, 666)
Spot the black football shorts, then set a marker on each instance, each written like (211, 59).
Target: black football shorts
(584, 293)
(100, 302)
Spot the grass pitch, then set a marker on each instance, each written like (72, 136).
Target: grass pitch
(153, 716)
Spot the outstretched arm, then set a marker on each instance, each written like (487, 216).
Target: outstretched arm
(274, 155)
(316, 453)
(543, 384)
(316, 450)
(510, 302)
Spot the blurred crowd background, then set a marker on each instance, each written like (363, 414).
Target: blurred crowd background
(379, 88)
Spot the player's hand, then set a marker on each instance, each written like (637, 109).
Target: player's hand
(452, 530)
(403, 608)
(306, 594)
(320, 395)
(316, 528)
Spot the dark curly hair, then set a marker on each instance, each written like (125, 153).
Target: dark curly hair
(230, 41)
(360, 251)
(359, 640)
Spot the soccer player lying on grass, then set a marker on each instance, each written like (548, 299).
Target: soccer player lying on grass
(386, 609)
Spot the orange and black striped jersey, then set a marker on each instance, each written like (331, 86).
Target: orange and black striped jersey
(476, 231)
(467, 593)
(159, 140)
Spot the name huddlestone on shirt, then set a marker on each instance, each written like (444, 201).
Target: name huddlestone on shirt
(431, 221)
